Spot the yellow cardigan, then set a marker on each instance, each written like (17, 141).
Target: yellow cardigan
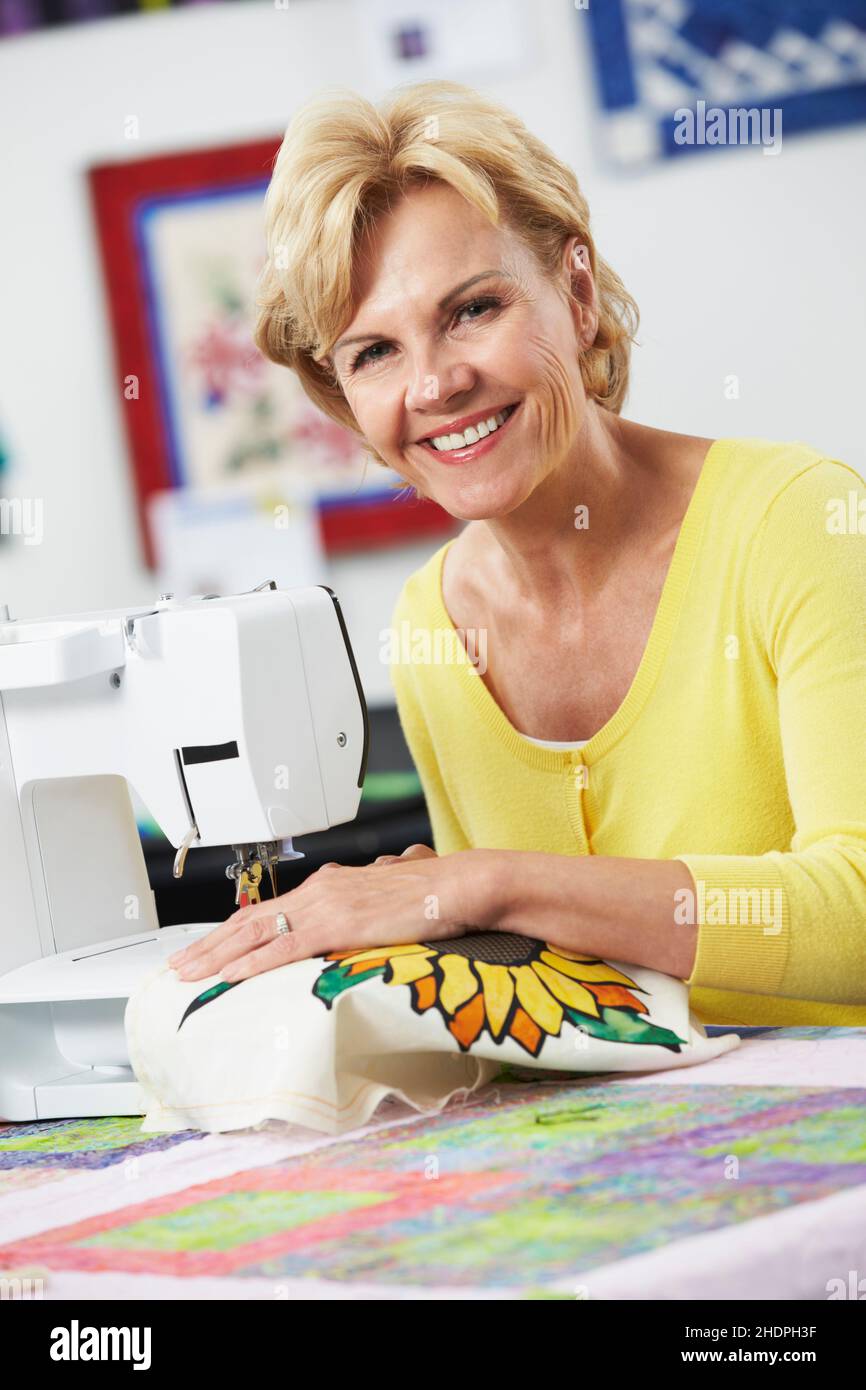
(740, 748)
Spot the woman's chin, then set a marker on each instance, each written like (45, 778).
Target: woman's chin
(479, 501)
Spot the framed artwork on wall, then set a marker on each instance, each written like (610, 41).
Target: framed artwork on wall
(181, 242)
(678, 77)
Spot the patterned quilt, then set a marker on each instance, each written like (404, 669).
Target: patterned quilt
(752, 1168)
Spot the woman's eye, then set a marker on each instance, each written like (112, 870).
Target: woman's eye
(370, 354)
(360, 360)
(489, 302)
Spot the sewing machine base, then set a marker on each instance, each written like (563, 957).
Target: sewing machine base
(37, 1093)
(63, 1046)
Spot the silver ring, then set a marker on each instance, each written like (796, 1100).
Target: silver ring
(283, 925)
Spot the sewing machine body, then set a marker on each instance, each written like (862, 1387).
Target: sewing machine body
(239, 721)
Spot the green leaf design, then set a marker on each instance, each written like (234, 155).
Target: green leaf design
(336, 978)
(205, 998)
(625, 1026)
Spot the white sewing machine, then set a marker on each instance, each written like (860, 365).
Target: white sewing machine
(239, 720)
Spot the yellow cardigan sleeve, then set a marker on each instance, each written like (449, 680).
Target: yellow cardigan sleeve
(448, 834)
(806, 591)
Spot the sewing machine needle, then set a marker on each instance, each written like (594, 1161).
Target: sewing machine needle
(273, 877)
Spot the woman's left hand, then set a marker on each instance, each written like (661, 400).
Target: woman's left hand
(343, 908)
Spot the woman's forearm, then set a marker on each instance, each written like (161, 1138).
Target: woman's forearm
(603, 905)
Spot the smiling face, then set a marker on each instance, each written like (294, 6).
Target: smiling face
(457, 332)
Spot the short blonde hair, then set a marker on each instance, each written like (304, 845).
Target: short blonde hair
(343, 162)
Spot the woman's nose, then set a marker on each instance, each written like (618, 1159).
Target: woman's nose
(434, 383)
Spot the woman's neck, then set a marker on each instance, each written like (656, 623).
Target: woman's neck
(572, 533)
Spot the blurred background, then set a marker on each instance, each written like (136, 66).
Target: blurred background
(145, 445)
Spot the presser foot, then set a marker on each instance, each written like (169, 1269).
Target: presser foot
(248, 869)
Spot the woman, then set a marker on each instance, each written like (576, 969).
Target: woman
(660, 758)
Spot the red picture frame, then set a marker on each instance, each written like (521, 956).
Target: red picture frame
(118, 193)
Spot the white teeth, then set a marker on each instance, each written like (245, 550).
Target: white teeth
(479, 430)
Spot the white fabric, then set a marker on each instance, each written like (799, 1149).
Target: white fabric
(317, 1048)
(556, 743)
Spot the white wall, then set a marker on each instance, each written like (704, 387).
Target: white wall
(741, 264)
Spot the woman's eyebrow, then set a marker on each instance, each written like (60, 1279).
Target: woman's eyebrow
(443, 304)
(473, 280)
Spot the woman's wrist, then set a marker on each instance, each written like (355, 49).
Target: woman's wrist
(518, 890)
(483, 887)
(502, 888)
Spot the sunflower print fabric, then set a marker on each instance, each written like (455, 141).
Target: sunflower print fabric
(505, 985)
(498, 983)
(320, 1042)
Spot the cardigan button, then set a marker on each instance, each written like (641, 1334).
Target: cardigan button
(579, 771)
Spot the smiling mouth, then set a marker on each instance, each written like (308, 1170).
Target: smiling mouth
(469, 441)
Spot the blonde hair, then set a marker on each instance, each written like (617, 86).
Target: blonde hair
(343, 162)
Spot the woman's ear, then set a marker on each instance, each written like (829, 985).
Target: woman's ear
(583, 293)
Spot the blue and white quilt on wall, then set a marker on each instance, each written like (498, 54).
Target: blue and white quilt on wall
(670, 74)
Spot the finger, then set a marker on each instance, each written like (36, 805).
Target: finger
(413, 852)
(204, 943)
(282, 951)
(229, 927)
(254, 933)
(200, 954)
(286, 902)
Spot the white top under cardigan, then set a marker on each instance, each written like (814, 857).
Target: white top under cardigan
(553, 743)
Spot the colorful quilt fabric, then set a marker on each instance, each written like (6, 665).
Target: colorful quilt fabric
(528, 1188)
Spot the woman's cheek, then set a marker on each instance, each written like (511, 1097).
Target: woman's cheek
(379, 430)
(560, 409)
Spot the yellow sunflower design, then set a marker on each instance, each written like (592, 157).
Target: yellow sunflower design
(507, 985)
